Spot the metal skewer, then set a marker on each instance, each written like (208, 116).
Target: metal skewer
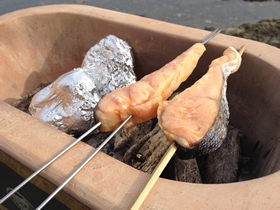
(48, 163)
(214, 33)
(82, 165)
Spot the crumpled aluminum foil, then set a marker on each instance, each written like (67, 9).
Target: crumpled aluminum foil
(68, 103)
(112, 58)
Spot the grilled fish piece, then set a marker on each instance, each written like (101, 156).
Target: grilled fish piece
(197, 118)
(142, 98)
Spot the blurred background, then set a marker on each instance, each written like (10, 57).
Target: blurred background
(198, 13)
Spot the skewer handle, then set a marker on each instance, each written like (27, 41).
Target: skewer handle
(48, 163)
(82, 165)
(155, 175)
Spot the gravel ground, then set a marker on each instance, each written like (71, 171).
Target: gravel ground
(267, 31)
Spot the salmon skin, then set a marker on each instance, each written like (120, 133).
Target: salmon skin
(142, 98)
(197, 118)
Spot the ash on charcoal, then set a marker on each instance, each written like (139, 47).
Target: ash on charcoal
(128, 141)
(97, 138)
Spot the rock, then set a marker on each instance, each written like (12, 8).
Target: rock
(267, 31)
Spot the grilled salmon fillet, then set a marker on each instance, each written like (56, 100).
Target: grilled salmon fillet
(197, 118)
(142, 98)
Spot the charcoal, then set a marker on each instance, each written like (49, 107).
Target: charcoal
(222, 164)
(186, 170)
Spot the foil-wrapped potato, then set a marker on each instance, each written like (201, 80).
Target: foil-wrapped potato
(68, 103)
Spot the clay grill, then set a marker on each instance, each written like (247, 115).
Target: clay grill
(35, 44)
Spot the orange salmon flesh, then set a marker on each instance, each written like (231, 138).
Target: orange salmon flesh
(189, 115)
(142, 98)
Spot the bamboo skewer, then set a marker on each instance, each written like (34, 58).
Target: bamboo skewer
(154, 177)
(241, 51)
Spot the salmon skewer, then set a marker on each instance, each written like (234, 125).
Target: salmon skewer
(197, 118)
(142, 98)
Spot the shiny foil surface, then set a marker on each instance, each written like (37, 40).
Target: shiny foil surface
(112, 59)
(68, 103)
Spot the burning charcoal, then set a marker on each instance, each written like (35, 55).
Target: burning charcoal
(68, 103)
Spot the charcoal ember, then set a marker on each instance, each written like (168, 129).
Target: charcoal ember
(68, 103)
